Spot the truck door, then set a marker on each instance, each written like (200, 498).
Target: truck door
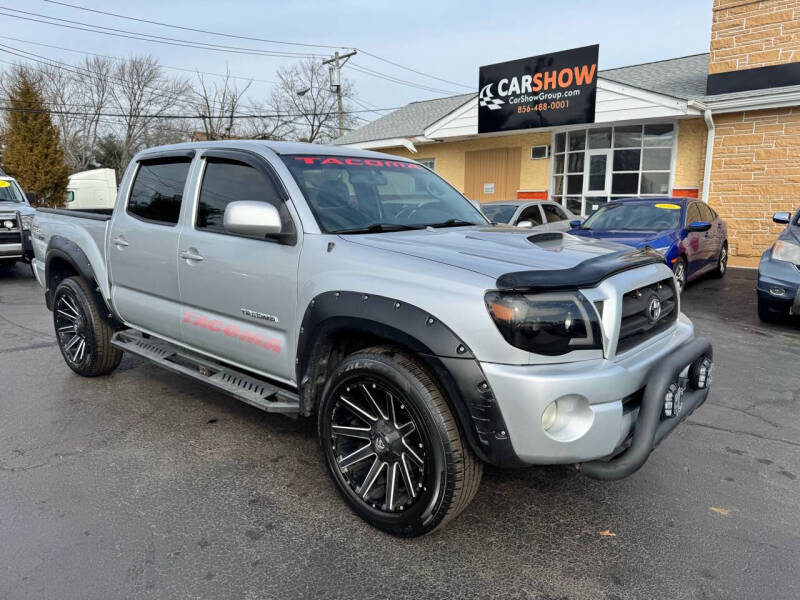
(239, 294)
(143, 245)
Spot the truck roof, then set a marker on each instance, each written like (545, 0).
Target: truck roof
(277, 147)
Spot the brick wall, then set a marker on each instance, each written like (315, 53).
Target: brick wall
(754, 173)
(747, 34)
(691, 155)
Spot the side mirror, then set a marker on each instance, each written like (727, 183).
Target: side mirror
(525, 224)
(253, 219)
(31, 196)
(575, 224)
(698, 226)
(782, 217)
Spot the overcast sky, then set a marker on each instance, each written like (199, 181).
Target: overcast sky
(449, 39)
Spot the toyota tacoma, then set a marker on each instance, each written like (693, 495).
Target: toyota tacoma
(363, 290)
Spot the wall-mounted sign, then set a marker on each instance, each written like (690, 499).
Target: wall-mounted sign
(540, 91)
(488, 188)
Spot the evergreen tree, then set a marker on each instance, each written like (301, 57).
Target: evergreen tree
(33, 154)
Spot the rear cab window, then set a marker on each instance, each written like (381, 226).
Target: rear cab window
(157, 190)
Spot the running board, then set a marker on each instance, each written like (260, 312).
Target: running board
(247, 388)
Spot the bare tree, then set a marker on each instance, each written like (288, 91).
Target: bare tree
(78, 98)
(144, 96)
(303, 96)
(217, 104)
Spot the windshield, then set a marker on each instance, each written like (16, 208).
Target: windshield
(10, 192)
(350, 195)
(499, 213)
(635, 216)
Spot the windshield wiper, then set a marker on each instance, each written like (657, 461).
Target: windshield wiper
(377, 228)
(451, 223)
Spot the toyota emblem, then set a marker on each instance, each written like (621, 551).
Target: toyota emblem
(654, 309)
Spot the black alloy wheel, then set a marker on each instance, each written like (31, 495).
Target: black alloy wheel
(379, 446)
(71, 328)
(84, 338)
(392, 445)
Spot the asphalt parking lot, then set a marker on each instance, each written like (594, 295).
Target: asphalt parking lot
(146, 485)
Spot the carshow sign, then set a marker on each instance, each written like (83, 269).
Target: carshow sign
(540, 91)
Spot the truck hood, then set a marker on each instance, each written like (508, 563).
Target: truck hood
(491, 251)
(25, 209)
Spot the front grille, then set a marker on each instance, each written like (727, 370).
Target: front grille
(12, 235)
(639, 307)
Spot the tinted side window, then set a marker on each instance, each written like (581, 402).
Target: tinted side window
(531, 214)
(158, 189)
(227, 181)
(693, 213)
(706, 213)
(553, 213)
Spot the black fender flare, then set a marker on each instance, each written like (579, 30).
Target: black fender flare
(438, 346)
(68, 251)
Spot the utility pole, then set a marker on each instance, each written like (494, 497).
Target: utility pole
(336, 62)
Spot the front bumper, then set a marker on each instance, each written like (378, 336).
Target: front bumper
(605, 396)
(779, 282)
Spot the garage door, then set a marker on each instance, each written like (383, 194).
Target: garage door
(492, 174)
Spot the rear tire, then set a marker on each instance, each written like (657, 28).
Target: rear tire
(679, 270)
(84, 338)
(392, 444)
(722, 262)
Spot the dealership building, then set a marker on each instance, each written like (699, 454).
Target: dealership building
(723, 127)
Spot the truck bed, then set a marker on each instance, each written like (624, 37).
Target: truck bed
(85, 228)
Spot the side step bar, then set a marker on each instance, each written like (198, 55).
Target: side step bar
(247, 388)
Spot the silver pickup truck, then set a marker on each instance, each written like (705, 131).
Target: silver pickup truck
(364, 290)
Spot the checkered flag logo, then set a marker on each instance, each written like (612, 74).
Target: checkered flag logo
(487, 99)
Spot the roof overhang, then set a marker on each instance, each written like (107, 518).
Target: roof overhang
(754, 100)
(616, 102)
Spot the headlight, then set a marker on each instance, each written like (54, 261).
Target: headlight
(551, 324)
(786, 251)
(27, 221)
(663, 251)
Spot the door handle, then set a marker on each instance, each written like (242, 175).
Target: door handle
(192, 255)
(120, 242)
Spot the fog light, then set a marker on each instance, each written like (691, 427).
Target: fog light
(673, 400)
(8, 224)
(700, 373)
(777, 291)
(549, 416)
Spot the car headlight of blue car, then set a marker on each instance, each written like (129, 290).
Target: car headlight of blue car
(786, 251)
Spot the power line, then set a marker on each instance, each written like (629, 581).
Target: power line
(181, 116)
(255, 39)
(367, 71)
(157, 39)
(120, 59)
(83, 71)
(230, 35)
(196, 45)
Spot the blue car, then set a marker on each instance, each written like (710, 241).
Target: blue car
(690, 235)
(779, 272)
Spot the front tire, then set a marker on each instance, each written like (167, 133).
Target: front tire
(392, 444)
(84, 338)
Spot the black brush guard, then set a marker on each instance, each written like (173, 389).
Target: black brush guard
(650, 428)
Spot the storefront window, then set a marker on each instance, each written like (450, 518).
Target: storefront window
(595, 165)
